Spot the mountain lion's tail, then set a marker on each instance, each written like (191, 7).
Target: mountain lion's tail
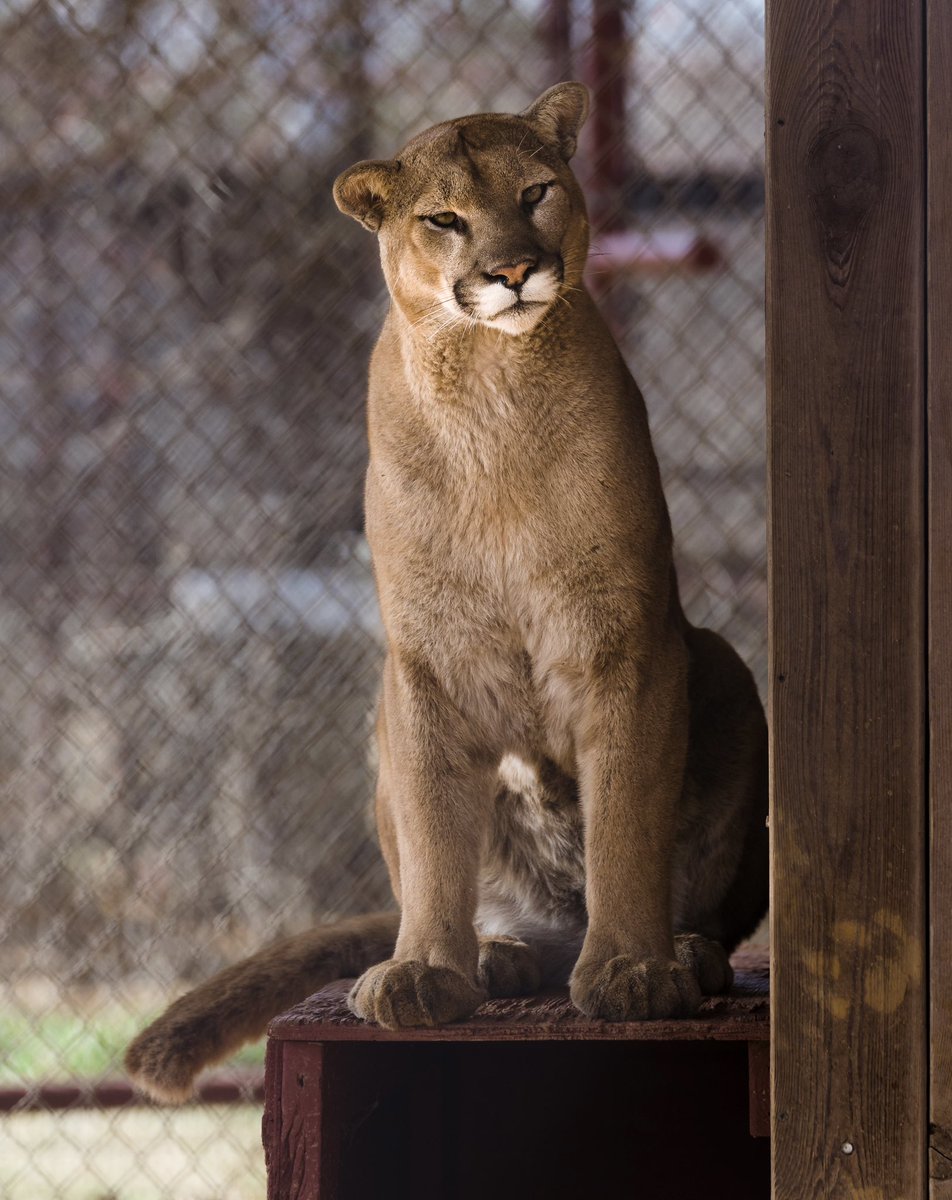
(235, 1006)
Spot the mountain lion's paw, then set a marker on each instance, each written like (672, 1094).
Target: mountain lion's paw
(707, 959)
(402, 995)
(507, 967)
(626, 989)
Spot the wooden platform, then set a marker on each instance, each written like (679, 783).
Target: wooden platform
(527, 1098)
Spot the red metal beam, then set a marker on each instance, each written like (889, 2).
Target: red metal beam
(608, 76)
(238, 1087)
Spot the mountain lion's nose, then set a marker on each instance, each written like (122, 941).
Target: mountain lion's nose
(512, 275)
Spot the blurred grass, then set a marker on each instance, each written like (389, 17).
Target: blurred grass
(82, 1040)
(62, 1045)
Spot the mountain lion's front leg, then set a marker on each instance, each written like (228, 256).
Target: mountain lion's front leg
(631, 749)
(439, 793)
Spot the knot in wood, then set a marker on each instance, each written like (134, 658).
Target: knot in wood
(845, 176)
(940, 1152)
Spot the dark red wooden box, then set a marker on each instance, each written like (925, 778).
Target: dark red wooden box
(526, 1099)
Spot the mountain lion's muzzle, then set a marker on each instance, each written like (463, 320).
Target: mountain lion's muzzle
(510, 289)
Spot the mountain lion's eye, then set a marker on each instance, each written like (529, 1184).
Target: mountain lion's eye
(532, 195)
(443, 220)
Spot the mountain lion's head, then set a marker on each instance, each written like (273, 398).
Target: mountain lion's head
(479, 219)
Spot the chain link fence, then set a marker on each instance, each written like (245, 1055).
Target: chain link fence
(188, 633)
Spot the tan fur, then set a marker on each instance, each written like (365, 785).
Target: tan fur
(567, 767)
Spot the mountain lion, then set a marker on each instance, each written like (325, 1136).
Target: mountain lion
(572, 780)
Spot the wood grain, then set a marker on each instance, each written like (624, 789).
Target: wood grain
(939, 269)
(845, 321)
(758, 1087)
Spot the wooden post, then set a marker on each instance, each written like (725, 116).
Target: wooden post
(939, 450)
(846, 414)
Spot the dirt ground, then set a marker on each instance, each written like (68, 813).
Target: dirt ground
(211, 1153)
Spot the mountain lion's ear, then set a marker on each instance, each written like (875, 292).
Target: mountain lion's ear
(559, 114)
(363, 189)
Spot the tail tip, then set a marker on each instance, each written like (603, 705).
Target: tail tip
(157, 1073)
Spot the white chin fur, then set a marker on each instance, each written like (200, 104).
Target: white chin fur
(519, 322)
(494, 302)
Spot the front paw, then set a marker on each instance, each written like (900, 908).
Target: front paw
(628, 989)
(405, 995)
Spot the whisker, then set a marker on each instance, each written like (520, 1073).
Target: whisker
(433, 310)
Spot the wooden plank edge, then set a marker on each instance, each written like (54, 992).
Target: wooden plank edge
(753, 1028)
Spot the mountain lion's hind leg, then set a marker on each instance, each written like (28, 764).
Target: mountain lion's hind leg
(508, 967)
(707, 960)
